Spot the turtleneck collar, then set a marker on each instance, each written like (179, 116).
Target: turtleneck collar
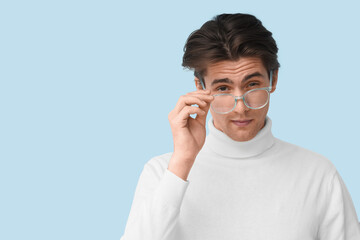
(222, 144)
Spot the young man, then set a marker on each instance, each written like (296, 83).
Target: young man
(239, 181)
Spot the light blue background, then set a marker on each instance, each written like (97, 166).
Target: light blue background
(86, 87)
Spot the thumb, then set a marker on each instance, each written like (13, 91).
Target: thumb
(202, 118)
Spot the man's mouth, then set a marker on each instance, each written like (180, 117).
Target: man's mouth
(242, 122)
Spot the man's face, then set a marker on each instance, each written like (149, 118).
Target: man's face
(237, 77)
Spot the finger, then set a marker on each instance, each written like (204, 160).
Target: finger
(202, 117)
(202, 92)
(207, 91)
(187, 100)
(188, 110)
(203, 97)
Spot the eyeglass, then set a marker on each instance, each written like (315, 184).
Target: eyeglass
(254, 99)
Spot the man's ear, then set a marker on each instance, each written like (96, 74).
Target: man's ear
(198, 84)
(275, 80)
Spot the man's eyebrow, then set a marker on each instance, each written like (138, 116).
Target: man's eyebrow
(255, 74)
(227, 80)
(222, 80)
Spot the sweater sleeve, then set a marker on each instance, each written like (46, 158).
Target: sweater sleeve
(156, 205)
(339, 221)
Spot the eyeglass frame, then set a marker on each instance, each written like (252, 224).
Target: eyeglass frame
(236, 98)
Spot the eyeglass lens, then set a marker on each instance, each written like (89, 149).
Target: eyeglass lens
(225, 103)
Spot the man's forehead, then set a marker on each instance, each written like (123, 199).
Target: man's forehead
(234, 72)
(239, 68)
(247, 77)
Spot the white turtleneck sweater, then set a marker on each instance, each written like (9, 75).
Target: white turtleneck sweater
(262, 189)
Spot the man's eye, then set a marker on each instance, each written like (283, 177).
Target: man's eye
(222, 88)
(252, 84)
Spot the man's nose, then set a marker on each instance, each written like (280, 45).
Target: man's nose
(240, 106)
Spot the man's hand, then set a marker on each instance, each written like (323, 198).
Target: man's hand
(188, 133)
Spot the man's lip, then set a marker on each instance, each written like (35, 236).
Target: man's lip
(243, 120)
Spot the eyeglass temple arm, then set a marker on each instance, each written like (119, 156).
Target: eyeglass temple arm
(202, 83)
(270, 88)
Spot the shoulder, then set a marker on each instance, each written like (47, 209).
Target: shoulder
(305, 157)
(158, 164)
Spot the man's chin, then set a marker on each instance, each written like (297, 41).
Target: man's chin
(241, 136)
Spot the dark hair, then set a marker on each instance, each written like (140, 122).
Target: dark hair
(229, 37)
